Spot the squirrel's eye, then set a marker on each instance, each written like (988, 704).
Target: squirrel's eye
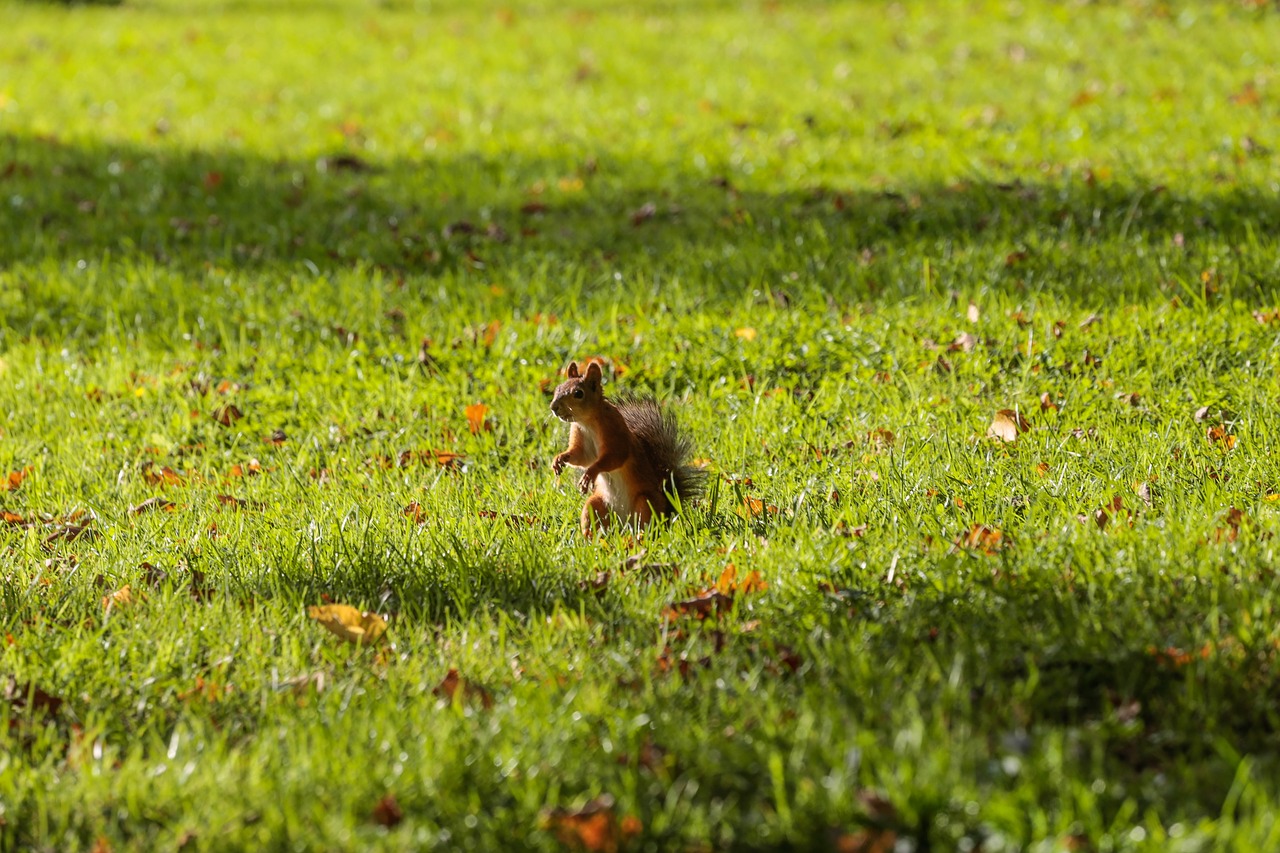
(578, 393)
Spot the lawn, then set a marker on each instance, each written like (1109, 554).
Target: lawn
(285, 286)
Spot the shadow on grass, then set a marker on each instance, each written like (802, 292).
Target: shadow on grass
(471, 215)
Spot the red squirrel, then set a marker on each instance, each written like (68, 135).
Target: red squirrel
(631, 453)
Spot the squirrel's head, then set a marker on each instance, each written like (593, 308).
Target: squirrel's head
(580, 394)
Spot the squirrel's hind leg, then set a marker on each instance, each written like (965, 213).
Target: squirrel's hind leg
(643, 508)
(595, 514)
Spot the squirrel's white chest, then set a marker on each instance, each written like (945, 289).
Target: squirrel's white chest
(610, 483)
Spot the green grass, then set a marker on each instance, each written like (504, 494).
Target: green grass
(261, 205)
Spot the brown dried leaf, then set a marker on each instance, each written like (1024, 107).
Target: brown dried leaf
(387, 812)
(153, 504)
(227, 414)
(30, 696)
(453, 684)
(594, 828)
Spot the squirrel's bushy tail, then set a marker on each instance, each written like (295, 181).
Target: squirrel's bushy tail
(661, 441)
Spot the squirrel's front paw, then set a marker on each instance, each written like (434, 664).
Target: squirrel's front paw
(558, 465)
(587, 482)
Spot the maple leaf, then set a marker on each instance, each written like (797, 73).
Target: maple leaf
(349, 623)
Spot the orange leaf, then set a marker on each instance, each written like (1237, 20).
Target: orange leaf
(594, 828)
(1218, 435)
(163, 476)
(14, 479)
(122, 597)
(414, 513)
(754, 507)
(476, 420)
(981, 539)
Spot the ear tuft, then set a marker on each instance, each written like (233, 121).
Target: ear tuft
(573, 370)
(593, 372)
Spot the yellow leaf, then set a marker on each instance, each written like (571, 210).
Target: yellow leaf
(746, 333)
(350, 624)
(1006, 425)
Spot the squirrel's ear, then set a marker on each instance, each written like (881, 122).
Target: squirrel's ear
(573, 370)
(593, 372)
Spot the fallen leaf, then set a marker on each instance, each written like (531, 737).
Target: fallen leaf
(162, 476)
(747, 333)
(348, 623)
(253, 469)
(1006, 425)
(227, 415)
(14, 479)
(122, 597)
(981, 539)
(754, 507)
(476, 420)
(20, 695)
(973, 314)
(644, 213)
(1218, 435)
(1247, 96)
(239, 503)
(728, 584)
(865, 841)
(453, 684)
(705, 605)
(387, 812)
(152, 504)
(594, 828)
(414, 512)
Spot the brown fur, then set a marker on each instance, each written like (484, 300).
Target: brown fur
(631, 453)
